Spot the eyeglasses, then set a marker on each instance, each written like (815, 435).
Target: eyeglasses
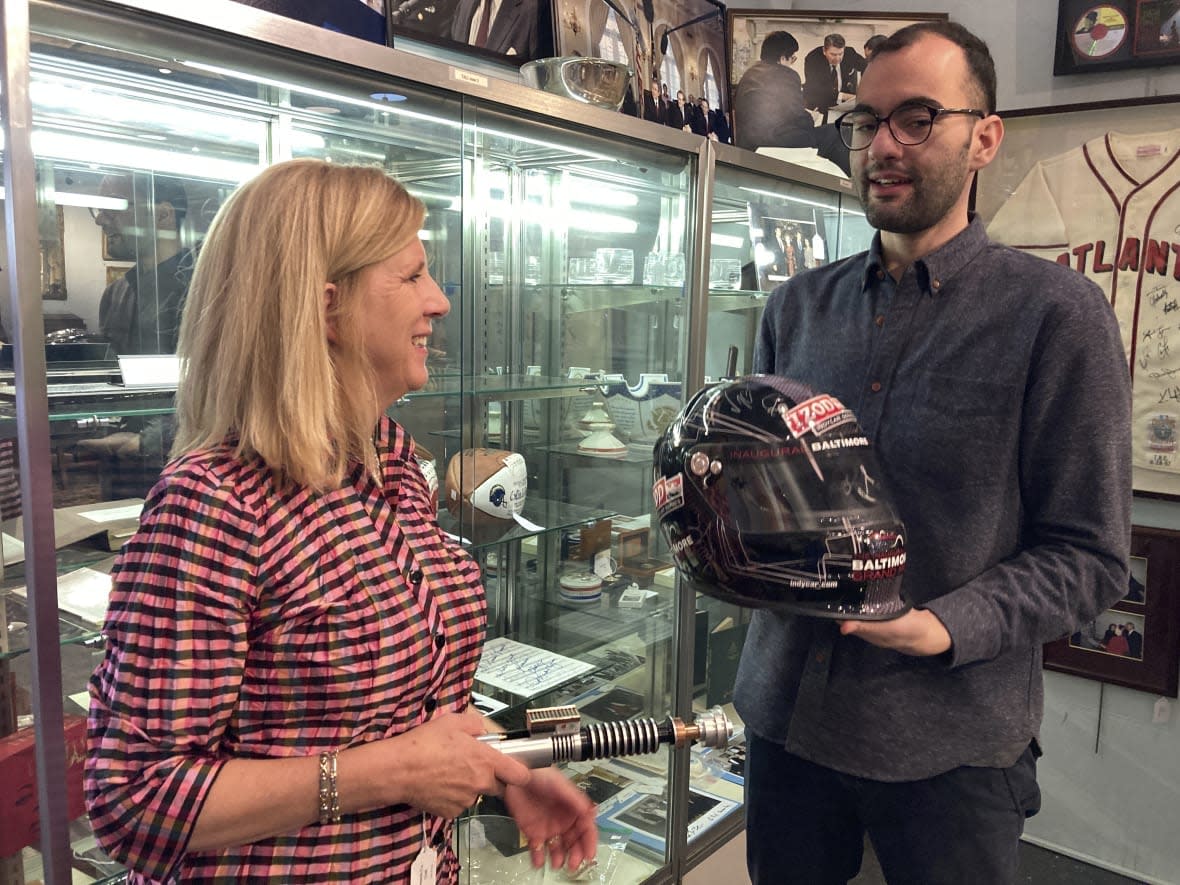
(909, 124)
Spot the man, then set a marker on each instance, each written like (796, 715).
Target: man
(677, 112)
(996, 392)
(710, 123)
(507, 27)
(1134, 641)
(653, 108)
(768, 105)
(830, 73)
(140, 312)
(870, 47)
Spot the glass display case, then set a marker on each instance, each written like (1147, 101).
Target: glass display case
(599, 269)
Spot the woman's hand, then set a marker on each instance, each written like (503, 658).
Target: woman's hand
(438, 767)
(556, 817)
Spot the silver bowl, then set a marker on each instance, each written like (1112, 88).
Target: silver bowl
(595, 81)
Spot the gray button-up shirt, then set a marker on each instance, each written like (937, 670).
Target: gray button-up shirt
(996, 391)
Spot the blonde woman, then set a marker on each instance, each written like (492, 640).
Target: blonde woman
(291, 641)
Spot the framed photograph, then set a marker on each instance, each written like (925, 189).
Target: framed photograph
(511, 31)
(1136, 642)
(674, 45)
(357, 18)
(1097, 187)
(1116, 34)
(845, 35)
(53, 261)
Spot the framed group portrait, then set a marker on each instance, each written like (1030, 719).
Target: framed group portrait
(1096, 187)
(1136, 642)
(1116, 34)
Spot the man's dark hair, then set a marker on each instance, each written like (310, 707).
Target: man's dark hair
(778, 44)
(834, 41)
(979, 59)
(874, 42)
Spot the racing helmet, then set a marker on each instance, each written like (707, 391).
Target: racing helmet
(770, 496)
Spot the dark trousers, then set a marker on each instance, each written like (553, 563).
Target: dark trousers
(805, 824)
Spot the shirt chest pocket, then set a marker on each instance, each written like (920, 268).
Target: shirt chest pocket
(963, 431)
(319, 657)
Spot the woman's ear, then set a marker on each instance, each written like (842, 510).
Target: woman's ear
(330, 293)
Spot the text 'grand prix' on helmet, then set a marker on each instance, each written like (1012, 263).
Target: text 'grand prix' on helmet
(770, 496)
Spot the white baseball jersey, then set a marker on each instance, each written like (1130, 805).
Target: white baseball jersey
(1111, 209)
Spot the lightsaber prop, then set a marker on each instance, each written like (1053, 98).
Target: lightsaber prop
(555, 734)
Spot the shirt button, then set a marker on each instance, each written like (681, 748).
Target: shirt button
(880, 274)
(875, 387)
(439, 641)
(430, 704)
(880, 321)
(416, 577)
(935, 285)
(819, 658)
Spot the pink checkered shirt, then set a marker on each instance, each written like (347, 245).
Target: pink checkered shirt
(249, 622)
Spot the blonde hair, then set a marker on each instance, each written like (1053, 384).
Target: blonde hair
(257, 363)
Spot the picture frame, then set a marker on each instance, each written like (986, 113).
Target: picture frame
(1115, 35)
(679, 43)
(364, 19)
(1147, 662)
(53, 262)
(748, 28)
(518, 31)
(1067, 185)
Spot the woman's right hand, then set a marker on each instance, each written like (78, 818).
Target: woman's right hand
(438, 767)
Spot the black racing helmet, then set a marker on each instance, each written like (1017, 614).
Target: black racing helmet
(770, 496)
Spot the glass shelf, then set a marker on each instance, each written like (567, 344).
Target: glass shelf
(502, 387)
(547, 515)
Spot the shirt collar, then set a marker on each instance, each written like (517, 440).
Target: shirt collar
(933, 271)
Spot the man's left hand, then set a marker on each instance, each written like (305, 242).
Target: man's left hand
(918, 632)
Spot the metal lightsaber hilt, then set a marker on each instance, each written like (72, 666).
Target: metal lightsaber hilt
(554, 734)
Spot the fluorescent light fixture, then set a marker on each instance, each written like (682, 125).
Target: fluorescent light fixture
(727, 241)
(319, 93)
(789, 198)
(91, 201)
(584, 190)
(600, 222)
(60, 146)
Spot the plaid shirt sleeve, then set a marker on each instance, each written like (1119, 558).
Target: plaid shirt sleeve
(176, 646)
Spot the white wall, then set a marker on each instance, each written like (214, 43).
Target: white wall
(1110, 777)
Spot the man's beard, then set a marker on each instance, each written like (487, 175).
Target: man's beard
(932, 195)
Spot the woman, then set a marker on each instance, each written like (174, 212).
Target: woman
(291, 641)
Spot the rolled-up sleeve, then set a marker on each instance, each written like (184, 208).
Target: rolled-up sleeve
(161, 700)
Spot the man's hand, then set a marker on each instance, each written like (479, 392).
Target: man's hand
(918, 632)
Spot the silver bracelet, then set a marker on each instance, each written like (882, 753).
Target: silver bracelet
(329, 793)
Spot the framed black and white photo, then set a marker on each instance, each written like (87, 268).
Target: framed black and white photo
(1136, 642)
(748, 28)
(510, 31)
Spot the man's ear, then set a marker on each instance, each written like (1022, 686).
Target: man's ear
(989, 132)
(165, 216)
(330, 293)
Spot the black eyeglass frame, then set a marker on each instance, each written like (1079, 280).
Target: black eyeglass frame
(934, 112)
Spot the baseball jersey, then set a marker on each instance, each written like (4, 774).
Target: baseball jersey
(1110, 208)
